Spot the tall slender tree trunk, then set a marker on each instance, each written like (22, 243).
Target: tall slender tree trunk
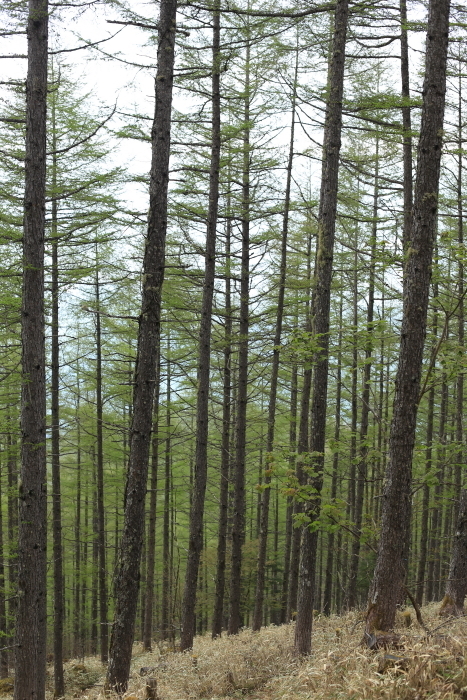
(225, 451)
(151, 560)
(426, 503)
(238, 522)
(329, 579)
(407, 128)
(31, 623)
(302, 447)
(390, 571)
(460, 286)
(166, 622)
(3, 621)
(362, 466)
(12, 530)
(103, 630)
(456, 588)
(437, 514)
(320, 319)
(290, 503)
(78, 612)
(95, 564)
(59, 683)
(128, 568)
(195, 542)
(264, 524)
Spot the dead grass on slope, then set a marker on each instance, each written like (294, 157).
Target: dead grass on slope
(262, 666)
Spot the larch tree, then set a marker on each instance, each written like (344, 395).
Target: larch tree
(204, 356)
(320, 325)
(390, 571)
(128, 566)
(31, 625)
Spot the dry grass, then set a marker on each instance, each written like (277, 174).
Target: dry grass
(263, 667)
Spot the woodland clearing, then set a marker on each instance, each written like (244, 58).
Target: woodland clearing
(262, 666)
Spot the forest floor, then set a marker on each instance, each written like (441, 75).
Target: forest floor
(262, 666)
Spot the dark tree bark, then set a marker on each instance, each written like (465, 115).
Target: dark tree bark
(456, 589)
(195, 542)
(390, 571)
(407, 128)
(225, 453)
(320, 320)
(302, 448)
(166, 620)
(104, 634)
(437, 512)
(3, 622)
(95, 564)
(362, 466)
(12, 529)
(238, 521)
(128, 568)
(32, 615)
(426, 501)
(78, 612)
(290, 503)
(264, 522)
(151, 560)
(328, 585)
(460, 290)
(59, 683)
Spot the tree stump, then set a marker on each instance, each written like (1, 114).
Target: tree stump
(151, 689)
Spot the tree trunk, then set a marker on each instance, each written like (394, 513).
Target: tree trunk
(320, 320)
(166, 621)
(78, 613)
(225, 453)
(59, 683)
(362, 466)
(127, 573)
(389, 575)
(327, 603)
(290, 502)
(195, 542)
(426, 502)
(151, 561)
(12, 531)
(264, 524)
(32, 614)
(3, 622)
(238, 523)
(104, 635)
(460, 291)
(407, 128)
(302, 447)
(456, 589)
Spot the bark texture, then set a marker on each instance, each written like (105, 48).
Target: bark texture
(320, 325)
(128, 567)
(151, 556)
(390, 570)
(195, 543)
(456, 589)
(31, 617)
(238, 520)
(264, 521)
(59, 683)
(225, 455)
